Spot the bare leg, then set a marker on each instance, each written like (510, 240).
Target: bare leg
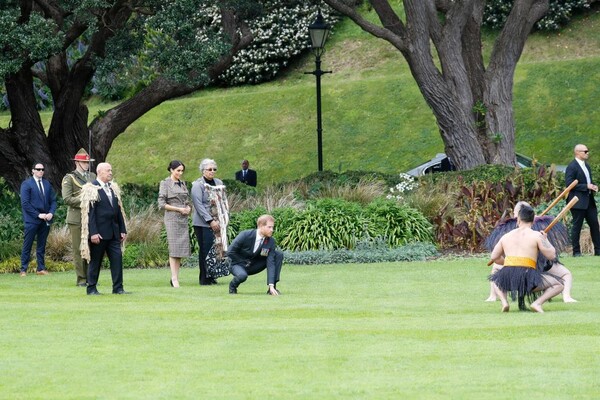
(493, 289)
(562, 272)
(492, 297)
(174, 263)
(503, 298)
(551, 289)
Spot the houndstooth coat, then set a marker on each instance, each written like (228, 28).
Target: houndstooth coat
(176, 224)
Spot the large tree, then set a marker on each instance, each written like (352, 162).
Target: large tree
(181, 46)
(441, 41)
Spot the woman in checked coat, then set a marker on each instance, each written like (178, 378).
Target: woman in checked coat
(174, 199)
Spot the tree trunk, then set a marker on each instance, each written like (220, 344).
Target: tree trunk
(24, 142)
(472, 105)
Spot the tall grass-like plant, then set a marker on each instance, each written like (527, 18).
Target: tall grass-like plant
(146, 244)
(144, 224)
(364, 192)
(269, 198)
(59, 246)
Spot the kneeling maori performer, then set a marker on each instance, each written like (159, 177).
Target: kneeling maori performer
(518, 252)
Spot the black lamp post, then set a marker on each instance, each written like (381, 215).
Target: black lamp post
(319, 30)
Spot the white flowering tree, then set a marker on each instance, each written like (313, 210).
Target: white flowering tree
(279, 36)
(441, 42)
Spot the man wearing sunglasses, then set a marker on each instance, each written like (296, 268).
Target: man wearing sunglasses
(38, 203)
(585, 208)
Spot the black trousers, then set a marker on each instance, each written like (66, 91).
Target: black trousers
(590, 215)
(206, 238)
(112, 248)
(240, 272)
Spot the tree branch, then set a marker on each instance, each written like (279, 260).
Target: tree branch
(394, 37)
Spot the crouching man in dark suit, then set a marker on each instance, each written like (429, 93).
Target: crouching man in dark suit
(103, 224)
(254, 250)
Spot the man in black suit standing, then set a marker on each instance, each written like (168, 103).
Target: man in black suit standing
(101, 203)
(585, 208)
(254, 250)
(246, 175)
(38, 204)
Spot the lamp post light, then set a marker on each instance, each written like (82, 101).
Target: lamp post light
(319, 30)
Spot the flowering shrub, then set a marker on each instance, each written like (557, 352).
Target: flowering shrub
(559, 13)
(406, 184)
(279, 35)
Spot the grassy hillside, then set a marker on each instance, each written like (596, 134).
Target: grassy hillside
(374, 117)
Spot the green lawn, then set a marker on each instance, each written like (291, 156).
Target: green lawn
(386, 331)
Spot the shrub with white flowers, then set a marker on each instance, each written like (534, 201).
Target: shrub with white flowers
(559, 13)
(405, 185)
(279, 36)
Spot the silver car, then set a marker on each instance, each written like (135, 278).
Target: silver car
(441, 163)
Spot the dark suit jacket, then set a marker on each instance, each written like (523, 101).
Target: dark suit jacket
(105, 219)
(573, 172)
(240, 251)
(32, 202)
(250, 177)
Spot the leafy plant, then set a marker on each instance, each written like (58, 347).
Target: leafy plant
(326, 224)
(397, 224)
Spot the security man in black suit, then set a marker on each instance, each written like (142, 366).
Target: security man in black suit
(246, 175)
(106, 230)
(254, 250)
(585, 208)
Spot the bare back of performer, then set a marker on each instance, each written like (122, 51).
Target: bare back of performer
(521, 246)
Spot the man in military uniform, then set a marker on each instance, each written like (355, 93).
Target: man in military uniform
(71, 190)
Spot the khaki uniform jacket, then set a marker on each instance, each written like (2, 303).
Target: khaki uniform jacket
(71, 190)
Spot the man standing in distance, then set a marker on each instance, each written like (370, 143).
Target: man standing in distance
(585, 208)
(38, 204)
(254, 250)
(71, 191)
(104, 224)
(246, 175)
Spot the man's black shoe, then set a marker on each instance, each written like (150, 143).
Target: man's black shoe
(576, 254)
(232, 290)
(94, 293)
(121, 292)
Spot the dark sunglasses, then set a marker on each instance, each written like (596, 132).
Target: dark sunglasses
(211, 169)
(584, 151)
(39, 169)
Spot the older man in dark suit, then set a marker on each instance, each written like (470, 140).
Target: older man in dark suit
(254, 250)
(585, 208)
(106, 228)
(38, 203)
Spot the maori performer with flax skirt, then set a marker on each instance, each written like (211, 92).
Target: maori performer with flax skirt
(517, 251)
(558, 236)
